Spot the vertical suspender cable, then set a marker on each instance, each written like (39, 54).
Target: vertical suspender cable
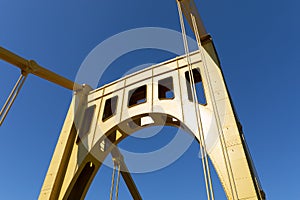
(194, 25)
(112, 182)
(118, 181)
(222, 139)
(207, 177)
(117, 166)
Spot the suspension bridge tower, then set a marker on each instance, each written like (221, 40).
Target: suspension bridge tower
(163, 94)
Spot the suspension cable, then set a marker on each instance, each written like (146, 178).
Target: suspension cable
(118, 180)
(194, 24)
(207, 177)
(12, 96)
(220, 131)
(117, 166)
(112, 181)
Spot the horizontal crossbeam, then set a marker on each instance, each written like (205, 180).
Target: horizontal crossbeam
(30, 66)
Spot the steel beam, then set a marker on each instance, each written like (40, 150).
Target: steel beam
(30, 66)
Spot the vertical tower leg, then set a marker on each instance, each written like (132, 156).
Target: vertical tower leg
(56, 172)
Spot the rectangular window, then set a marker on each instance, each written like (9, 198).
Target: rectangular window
(165, 88)
(87, 120)
(110, 108)
(137, 96)
(198, 86)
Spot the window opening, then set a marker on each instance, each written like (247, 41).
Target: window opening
(137, 96)
(110, 108)
(165, 89)
(198, 86)
(87, 121)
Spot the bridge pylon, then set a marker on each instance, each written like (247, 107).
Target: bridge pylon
(99, 119)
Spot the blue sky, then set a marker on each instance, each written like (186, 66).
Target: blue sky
(258, 44)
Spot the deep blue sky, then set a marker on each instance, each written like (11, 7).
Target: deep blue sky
(258, 44)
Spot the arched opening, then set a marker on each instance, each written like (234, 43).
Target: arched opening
(173, 178)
